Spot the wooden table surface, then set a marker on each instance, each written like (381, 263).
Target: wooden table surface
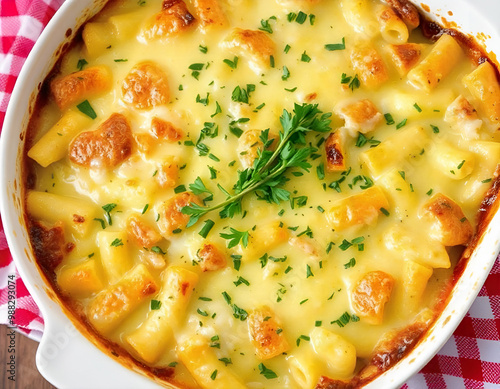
(27, 375)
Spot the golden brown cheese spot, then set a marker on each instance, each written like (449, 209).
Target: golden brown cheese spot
(111, 306)
(164, 130)
(78, 219)
(107, 146)
(141, 233)
(335, 153)
(210, 13)
(370, 295)
(145, 142)
(172, 19)
(370, 66)
(450, 226)
(266, 333)
(168, 173)
(171, 219)
(212, 258)
(257, 46)
(78, 86)
(328, 383)
(406, 11)
(360, 116)
(48, 245)
(146, 86)
(405, 56)
(463, 118)
(358, 209)
(396, 345)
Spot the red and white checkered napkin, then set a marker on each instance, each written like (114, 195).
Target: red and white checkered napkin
(470, 359)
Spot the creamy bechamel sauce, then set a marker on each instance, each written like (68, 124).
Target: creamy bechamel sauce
(316, 266)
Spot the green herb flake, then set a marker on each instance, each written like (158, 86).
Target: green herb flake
(116, 243)
(301, 17)
(232, 64)
(235, 237)
(155, 305)
(389, 120)
(384, 211)
(213, 376)
(266, 26)
(226, 361)
(81, 64)
(309, 272)
(336, 46)
(267, 373)
(435, 129)
(351, 263)
(286, 74)
(417, 107)
(302, 337)
(85, 108)
(179, 189)
(305, 57)
(206, 228)
(401, 124)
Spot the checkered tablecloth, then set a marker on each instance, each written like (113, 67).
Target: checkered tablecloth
(470, 359)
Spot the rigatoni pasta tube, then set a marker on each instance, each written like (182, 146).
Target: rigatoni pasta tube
(51, 208)
(437, 65)
(53, 145)
(114, 251)
(339, 354)
(392, 28)
(201, 361)
(150, 339)
(110, 307)
(484, 86)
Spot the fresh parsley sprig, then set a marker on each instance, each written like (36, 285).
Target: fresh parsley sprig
(267, 175)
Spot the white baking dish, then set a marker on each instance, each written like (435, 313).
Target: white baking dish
(68, 359)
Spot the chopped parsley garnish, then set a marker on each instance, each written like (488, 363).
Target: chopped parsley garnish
(235, 237)
(389, 120)
(345, 319)
(116, 243)
(155, 305)
(267, 174)
(107, 212)
(417, 107)
(204, 101)
(232, 64)
(305, 57)
(351, 263)
(286, 74)
(435, 129)
(81, 63)
(206, 228)
(203, 49)
(401, 124)
(179, 189)
(309, 272)
(236, 261)
(268, 373)
(336, 46)
(85, 108)
(301, 17)
(302, 337)
(266, 26)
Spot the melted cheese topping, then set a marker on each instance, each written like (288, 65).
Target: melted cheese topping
(303, 261)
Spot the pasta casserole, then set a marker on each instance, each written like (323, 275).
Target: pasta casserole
(261, 194)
